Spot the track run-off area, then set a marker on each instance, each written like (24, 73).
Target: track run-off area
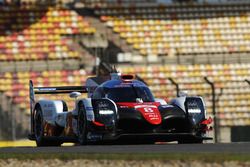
(156, 148)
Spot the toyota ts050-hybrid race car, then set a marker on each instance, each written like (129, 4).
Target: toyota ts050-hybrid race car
(119, 108)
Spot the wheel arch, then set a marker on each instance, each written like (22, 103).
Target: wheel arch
(87, 103)
(180, 102)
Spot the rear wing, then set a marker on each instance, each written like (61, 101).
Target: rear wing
(54, 90)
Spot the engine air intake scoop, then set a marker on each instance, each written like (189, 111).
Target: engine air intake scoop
(127, 78)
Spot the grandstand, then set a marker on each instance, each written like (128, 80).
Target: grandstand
(37, 34)
(58, 43)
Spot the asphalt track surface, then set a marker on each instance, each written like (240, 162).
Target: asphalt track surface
(157, 148)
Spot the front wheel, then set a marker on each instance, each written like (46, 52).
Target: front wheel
(82, 125)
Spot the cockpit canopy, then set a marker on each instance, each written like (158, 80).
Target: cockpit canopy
(118, 91)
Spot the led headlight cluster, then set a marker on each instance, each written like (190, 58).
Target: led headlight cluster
(194, 110)
(106, 112)
(193, 106)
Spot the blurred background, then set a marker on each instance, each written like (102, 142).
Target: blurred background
(200, 46)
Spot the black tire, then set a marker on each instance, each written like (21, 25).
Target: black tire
(193, 141)
(82, 126)
(39, 130)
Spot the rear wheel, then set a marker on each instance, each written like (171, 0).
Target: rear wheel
(39, 131)
(82, 125)
(39, 128)
(191, 141)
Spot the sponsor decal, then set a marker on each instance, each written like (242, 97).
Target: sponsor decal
(148, 110)
(192, 104)
(124, 107)
(48, 110)
(145, 106)
(102, 105)
(94, 137)
(151, 114)
(46, 89)
(50, 105)
(167, 106)
(89, 108)
(123, 85)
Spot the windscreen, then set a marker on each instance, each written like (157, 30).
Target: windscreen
(129, 94)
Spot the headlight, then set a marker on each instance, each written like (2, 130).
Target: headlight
(193, 106)
(194, 110)
(106, 112)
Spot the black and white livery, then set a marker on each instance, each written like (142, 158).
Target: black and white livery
(118, 109)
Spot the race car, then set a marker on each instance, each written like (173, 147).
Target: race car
(118, 109)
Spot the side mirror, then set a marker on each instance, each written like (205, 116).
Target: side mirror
(139, 100)
(161, 101)
(74, 94)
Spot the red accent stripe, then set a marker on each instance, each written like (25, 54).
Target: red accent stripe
(207, 121)
(97, 123)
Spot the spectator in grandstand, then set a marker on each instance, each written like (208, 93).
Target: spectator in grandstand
(16, 2)
(165, 1)
(2, 2)
(171, 1)
(10, 2)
